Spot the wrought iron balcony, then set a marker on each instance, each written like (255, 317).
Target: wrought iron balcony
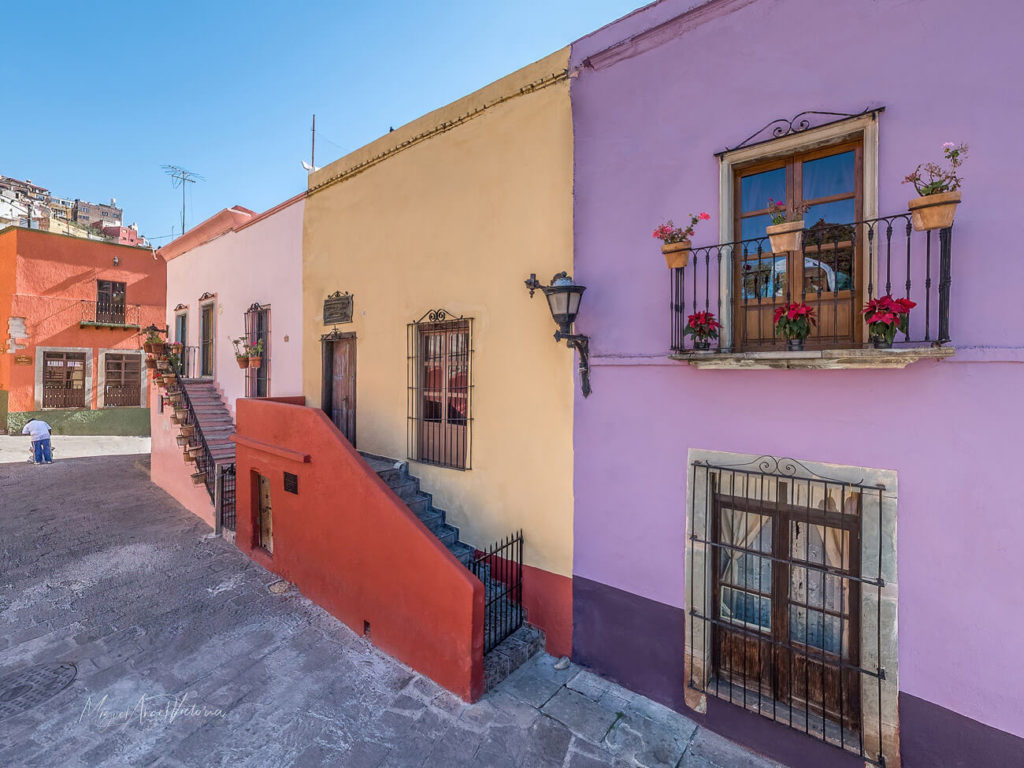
(110, 314)
(838, 269)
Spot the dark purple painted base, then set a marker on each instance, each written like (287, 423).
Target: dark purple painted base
(639, 643)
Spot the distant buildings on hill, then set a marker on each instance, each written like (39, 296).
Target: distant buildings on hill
(25, 204)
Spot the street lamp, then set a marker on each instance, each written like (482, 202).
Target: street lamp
(564, 297)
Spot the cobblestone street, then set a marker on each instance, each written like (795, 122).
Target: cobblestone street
(178, 654)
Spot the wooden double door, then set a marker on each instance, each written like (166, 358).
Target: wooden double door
(787, 606)
(338, 398)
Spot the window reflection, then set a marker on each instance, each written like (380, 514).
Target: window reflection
(826, 176)
(758, 187)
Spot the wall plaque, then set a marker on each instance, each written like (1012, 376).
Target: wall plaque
(23, 360)
(338, 308)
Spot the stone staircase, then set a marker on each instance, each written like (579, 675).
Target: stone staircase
(213, 417)
(518, 647)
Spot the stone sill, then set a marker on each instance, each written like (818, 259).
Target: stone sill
(816, 359)
(116, 326)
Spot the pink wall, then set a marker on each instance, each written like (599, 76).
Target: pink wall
(168, 468)
(648, 118)
(257, 262)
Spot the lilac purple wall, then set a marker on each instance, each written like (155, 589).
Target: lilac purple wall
(649, 114)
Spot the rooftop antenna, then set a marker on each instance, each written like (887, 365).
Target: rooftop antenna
(180, 178)
(311, 165)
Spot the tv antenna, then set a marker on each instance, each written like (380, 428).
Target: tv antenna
(311, 165)
(181, 178)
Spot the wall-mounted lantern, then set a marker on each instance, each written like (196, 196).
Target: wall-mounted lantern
(564, 297)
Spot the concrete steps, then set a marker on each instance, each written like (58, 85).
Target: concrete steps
(214, 418)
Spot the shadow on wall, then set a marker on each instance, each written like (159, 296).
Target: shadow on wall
(337, 532)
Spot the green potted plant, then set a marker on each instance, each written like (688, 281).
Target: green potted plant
(154, 343)
(787, 228)
(939, 190)
(255, 354)
(886, 315)
(703, 327)
(241, 351)
(793, 322)
(676, 240)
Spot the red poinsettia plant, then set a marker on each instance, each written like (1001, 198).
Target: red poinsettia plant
(886, 315)
(670, 233)
(795, 320)
(702, 326)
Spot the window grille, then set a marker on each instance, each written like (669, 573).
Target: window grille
(206, 320)
(63, 380)
(257, 328)
(110, 302)
(440, 355)
(122, 380)
(785, 581)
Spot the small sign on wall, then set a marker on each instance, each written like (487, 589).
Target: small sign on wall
(23, 360)
(338, 308)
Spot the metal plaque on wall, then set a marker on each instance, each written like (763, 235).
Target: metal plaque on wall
(22, 360)
(338, 308)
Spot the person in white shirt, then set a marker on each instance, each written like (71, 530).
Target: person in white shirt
(40, 432)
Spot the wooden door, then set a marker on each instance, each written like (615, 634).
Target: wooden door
(340, 361)
(206, 340)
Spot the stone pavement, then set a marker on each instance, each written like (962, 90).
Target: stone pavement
(182, 656)
(14, 448)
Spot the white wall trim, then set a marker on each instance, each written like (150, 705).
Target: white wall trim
(37, 395)
(101, 375)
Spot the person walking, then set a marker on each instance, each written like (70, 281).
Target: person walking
(40, 432)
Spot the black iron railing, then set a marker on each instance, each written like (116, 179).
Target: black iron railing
(500, 568)
(839, 268)
(196, 443)
(110, 313)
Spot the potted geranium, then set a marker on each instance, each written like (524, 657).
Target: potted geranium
(793, 322)
(787, 228)
(939, 190)
(676, 240)
(703, 327)
(255, 354)
(886, 315)
(241, 351)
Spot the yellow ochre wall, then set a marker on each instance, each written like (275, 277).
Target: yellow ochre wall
(457, 220)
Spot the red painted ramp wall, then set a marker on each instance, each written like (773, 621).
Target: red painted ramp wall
(350, 545)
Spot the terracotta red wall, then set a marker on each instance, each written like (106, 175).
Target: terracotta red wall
(349, 544)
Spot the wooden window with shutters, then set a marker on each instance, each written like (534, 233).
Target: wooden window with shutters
(64, 380)
(110, 301)
(122, 380)
(828, 272)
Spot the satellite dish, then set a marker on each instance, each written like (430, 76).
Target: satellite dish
(310, 168)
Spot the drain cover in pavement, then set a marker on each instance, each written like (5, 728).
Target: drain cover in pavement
(22, 690)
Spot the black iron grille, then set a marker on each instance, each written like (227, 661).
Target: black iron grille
(440, 355)
(784, 573)
(227, 496)
(500, 568)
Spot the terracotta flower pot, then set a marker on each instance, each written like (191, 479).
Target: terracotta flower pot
(255, 362)
(787, 236)
(147, 346)
(677, 255)
(181, 440)
(187, 430)
(198, 478)
(243, 362)
(159, 348)
(189, 456)
(934, 211)
(150, 363)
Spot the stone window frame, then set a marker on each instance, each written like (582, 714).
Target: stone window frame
(101, 376)
(864, 127)
(872, 515)
(37, 394)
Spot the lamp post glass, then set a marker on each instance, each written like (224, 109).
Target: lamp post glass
(563, 297)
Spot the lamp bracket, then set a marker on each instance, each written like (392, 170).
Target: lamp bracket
(581, 343)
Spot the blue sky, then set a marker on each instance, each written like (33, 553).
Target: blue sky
(97, 96)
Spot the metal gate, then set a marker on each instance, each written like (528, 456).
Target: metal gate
(257, 329)
(226, 496)
(500, 568)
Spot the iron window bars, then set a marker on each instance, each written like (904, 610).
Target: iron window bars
(500, 568)
(440, 359)
(227, 496)
(109, 314)
(257, 328)
(914, 264)
(784, 572)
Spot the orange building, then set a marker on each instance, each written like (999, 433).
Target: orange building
(72, 313)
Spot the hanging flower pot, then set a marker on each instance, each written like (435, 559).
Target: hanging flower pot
(934, 211)
(181, 440)
(187, 430)
(242, 360)
(198, 478)
(787, 236)
(150, 363)
(148, 346)
(677, 255)
(159, 348)
(189, 457)
(255, 362)
(180, 414)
